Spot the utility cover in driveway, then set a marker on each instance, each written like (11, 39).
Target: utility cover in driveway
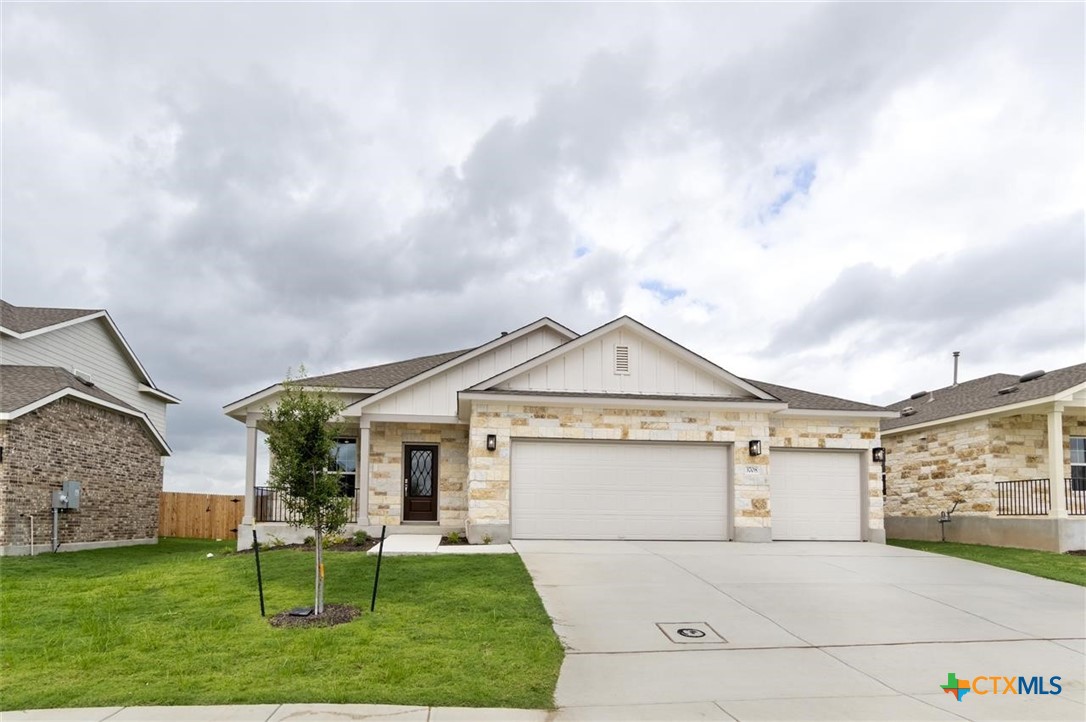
(690, 633)
(619, 490)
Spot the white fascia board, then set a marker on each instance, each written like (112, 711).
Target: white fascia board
(638, 327)
(451, 363)
(239, 408)
(241, 405)
(997, 411)
(837, 413)
(53, 327)
(648, 402)
(412, 419)
(95, 401)
(159, 393)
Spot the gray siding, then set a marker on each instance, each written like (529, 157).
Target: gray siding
(89, 347)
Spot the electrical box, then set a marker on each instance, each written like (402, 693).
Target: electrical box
(68, 496)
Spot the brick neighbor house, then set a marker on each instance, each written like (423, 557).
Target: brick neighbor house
(1010, 450)
(76, 405)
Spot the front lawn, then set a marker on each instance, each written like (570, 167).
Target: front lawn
(1061, 567)
(165, 625)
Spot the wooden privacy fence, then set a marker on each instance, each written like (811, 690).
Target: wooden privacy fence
(199, 516)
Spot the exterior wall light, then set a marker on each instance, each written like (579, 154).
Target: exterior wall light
(754, 448)
(491, 442)
(878, 455)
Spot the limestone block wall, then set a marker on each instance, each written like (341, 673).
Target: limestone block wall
(386, 469)
(928, 469)
(489, 472)
(120, 468)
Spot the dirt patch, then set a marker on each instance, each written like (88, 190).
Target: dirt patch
(333, 614)
(457, 541)
(1077, 552)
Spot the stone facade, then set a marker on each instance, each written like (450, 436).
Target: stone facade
(386, 470)
(927, 470)
(489, 472)
(119, 465)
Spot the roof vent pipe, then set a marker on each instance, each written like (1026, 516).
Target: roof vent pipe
(956, 355)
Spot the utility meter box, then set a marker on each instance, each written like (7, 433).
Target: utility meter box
(68, 496)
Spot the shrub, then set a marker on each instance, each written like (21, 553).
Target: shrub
(487, 539)
(453, 537)
(361, 537)
(331, 540)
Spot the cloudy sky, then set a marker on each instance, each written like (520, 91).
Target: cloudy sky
(829, 196)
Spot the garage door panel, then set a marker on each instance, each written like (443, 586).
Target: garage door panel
(815, 495)
(625, 490)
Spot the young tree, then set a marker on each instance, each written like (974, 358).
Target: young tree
(303, 467)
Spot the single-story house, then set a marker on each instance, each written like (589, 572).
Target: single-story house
(79, 417)
(620, 433)
(1009, 450)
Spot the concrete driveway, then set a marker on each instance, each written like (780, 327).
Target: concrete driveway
(825, 631)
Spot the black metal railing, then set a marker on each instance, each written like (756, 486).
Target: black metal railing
(268, 506)
(1075, 491)
(1028, 497)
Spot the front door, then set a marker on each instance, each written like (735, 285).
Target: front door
(420, 483)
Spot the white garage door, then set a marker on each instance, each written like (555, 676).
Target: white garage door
(815, 495)
(619, 490)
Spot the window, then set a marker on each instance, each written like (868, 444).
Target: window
(346, 461)
(1078, 463)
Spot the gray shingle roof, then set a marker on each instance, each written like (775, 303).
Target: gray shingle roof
(983, 394)
(799, 399)
(22, 319)
(22, 385)
(385, 375)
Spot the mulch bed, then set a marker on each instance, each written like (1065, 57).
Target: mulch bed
(1077, 553)
(461, 540)
(333, 614)
(348, 546)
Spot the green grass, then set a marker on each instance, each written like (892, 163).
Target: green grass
(164, 625)
(1061, 567)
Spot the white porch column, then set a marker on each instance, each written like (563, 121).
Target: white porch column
(1056, 471)
(250, 468)
(362, 478)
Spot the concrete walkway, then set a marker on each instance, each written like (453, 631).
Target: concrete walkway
(801, 631)
(403, 544)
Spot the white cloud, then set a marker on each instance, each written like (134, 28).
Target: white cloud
(348, 184)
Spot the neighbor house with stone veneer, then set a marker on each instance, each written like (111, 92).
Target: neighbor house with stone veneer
(620, 433)
(76, 404)
(1010, 450)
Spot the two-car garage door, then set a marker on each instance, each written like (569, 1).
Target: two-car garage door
(619, 490)
(679, 491)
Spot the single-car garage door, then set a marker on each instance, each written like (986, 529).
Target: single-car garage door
(815, 495)
(619, 490)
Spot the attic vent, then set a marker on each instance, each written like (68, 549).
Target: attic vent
(1007, 390)
(1031, 376)
(83, 377)
(622, 359)
(908, 411)
(919, 395)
